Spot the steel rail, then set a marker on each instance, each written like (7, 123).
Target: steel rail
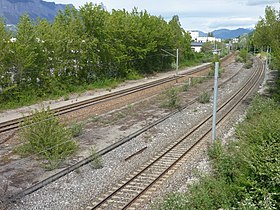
(14, 123)
(255, 78)
(104, 151)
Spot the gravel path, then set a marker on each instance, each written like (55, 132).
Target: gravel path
(80, 186)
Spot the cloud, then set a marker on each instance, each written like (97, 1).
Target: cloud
(210, 24)
(194, 14)
(234, 22)
(261, 2)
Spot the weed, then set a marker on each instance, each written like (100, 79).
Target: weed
(130, 107)
(185, 87)
(204, 98)
(216, 150)
(120, 115)
(96, 162)
(78, 171)
(76, 129)
(248, 64)
(133, 75)
(66, 97)
(173, 100)
(94, 119)
(44, 136)
(198, 80)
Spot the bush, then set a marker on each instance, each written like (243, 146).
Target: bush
(238, 59)
(76, 129)
(248, 64)
(185, 87)
(173, 100)
(44, 136)
(204, 98)
(96, 162)
(244, 55)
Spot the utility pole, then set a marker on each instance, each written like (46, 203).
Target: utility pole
(270, 55)
(176, 56)
(215, 101)
(177, 61)
(266, 61)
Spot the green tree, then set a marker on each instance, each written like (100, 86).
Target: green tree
(267, 35)
(244, 42)
(6, 84)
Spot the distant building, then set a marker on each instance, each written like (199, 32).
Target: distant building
(235, 40)
(196, 38)
(196, 46)
(194, 35)
(208, 39)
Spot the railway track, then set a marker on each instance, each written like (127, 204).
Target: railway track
(139, 185)
(107, 149)
(13, 125)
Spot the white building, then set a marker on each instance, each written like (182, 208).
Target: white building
(208, 39)
(196, 46)
(194, 35)
(196, 38)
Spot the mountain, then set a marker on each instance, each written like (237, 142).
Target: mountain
(230, 34)
(202, 34)
(11, 10)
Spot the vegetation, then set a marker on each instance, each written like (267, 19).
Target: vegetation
(84, 49)
(173, 100)
(96, 159)
(45, 137)
(245, 57)
(204, 97)
(267, 36)
(246, 173)
(76, 129)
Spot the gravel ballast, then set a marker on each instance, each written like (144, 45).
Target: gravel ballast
(76, 189)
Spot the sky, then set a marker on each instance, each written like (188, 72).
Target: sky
(203, 15)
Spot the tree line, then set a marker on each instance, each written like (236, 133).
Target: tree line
(83, 46)
(267, 38)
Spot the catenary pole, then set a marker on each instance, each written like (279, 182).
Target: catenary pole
(176, 56)
(215, 101)
(177, 61)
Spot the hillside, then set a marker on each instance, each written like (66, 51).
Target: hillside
(226, 33)
(11, 10)
(230, 34)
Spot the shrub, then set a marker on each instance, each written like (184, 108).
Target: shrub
(238, 59)
(186, 87)
(76, 129)
(173, 100)
(244, 55)
(44, 136)
(248, 64)
(204, 98)
(96, 159)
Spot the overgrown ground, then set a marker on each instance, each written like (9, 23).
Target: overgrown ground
(246, 173)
